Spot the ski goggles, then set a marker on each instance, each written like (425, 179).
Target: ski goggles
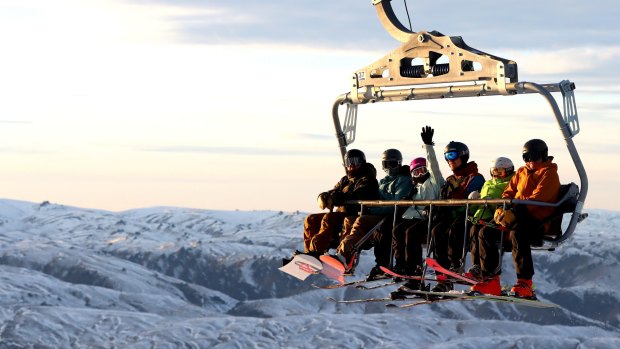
(419, 172)
(451, 155)
(390, 164)
(532, 156)
(352, 162)
(498, 172)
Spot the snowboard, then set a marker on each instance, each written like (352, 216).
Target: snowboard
(332, 268)
(302, 266)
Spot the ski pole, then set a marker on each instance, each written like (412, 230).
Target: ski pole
(465, 239)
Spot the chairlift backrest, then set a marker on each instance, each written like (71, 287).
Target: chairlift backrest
(569, 198)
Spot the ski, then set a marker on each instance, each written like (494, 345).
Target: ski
(372, 300)
(386, 284)
(516, 300)
(365, 300)
(333, 286)
(417, 301)
(422, 302)
(432, 278)
(357, 283)
(397, 275)
(460, 295)
(433, 264)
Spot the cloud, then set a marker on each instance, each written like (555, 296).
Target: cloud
(354, 23)
(582, 59)
(238, 151)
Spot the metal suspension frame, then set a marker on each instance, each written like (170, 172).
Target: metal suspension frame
(468, 73)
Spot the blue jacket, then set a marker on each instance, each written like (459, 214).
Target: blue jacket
(392, 188)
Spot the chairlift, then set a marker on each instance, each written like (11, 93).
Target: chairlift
(414, 72)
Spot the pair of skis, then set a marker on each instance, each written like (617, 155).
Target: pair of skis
(302, 265)
(333, 270)
(393, 303)
(428, 297)
(420, 297)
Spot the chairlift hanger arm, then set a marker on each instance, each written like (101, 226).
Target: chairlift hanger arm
(390, 22)
(415, 62)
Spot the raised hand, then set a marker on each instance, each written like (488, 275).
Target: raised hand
(427, 135)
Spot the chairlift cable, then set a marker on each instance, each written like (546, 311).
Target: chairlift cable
(409, 18)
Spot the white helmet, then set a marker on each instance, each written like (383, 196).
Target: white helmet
(501, 163)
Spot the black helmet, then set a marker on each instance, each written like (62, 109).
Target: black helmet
(354, 157)
(456, 150)
(535, 149)
(391, 159)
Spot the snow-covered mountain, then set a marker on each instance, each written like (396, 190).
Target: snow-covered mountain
(186, 278)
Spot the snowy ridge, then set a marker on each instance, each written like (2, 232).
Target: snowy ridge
(169, 277)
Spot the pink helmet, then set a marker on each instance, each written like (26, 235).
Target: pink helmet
(417, 162)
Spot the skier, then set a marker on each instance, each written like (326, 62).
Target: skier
(396, 185)
(485, 239)
(538, 180)
(449, 231)
(360, 183)
(409, 235)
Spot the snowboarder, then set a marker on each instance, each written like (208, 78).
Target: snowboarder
(538, 180)
(485, 239)
(449, 230)
(360, 183)
(409, 235)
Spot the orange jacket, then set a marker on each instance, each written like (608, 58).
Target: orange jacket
(542, 183)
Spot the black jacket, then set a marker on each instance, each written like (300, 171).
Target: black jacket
(362, 185)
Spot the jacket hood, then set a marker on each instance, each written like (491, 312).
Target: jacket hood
(468, 169)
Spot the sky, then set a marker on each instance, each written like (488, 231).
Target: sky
(122, 104)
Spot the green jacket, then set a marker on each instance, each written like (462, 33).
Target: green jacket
(491, 189)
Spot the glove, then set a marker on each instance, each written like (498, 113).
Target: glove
(427, 135)
(505, 218)
(474, 195)
(337, 197)
(325, 201)
(425, 213)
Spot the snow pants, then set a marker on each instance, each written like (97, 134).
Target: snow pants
(321, 230)
(355, 228)
(527, 231)
(408, 238)
(449, 238)
(485, 249)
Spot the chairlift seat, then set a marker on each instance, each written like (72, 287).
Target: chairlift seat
(568, 194)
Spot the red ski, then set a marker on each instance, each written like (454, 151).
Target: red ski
(431, 263)
(395, 274)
